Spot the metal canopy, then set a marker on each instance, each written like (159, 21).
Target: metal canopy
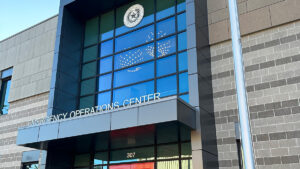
(160, 111)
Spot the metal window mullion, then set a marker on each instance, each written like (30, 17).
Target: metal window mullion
(140, 45)
(98, 61)
(155, 48)
(177, 60)
(135, 29)
(139, 82)
(80, 68)
(155, 81)
(113, 57)
(155, 147)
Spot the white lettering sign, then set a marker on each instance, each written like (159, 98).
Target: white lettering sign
(97, 109)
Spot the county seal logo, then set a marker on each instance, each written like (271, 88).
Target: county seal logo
(134, 15)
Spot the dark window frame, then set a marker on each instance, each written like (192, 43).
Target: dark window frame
(3, 92)
(29, 163)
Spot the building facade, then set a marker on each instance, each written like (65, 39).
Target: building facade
(149, 84)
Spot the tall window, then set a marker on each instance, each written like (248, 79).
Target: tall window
(120, 62)
(4, 91)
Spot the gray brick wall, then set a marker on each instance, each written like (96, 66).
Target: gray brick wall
(272, 59)
(21, 112)
(255, 15)
(30, 53)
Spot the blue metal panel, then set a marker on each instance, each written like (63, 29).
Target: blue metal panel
(156, 113)
(66, 2)
(84, 125)
(164, 110)
(124, 119)
(30, 156)
(66, 62)
(28, 135)
(186, 114)
(48, 132)
(64, 101)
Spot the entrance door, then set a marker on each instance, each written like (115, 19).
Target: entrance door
(149, 165)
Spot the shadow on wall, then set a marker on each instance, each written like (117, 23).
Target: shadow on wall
(206, 104)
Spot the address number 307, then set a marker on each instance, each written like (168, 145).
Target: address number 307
(131, 155)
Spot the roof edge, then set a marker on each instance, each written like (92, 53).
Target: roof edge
(29, 28)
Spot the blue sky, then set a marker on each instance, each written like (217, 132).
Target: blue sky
(17, 15)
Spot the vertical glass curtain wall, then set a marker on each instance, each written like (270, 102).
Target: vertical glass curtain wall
(164, 146)
(119, 63)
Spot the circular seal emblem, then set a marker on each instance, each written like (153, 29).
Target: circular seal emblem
(134, 15)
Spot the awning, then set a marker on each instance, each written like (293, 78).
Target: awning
(159, 111)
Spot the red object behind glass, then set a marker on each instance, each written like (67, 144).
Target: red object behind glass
(149, 165)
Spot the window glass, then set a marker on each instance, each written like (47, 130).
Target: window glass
(134, 74)
(168, 164)
(102, 141)
(135, 38)
(132, 155)
(144, 165)
(185, 133)
(105, 65)
(6, 73)
(165, 8)
(134, 56)
(133, 91)
(183, 83)
(120, 166)
(104, 82)
(166, 66)
(167, 151)
(140, 147)
(31, 166)
(104, 98)
(5, 88)
(182, 43)
(165, 27)
(82, 160)
(89, 69)
(100, 167)
(186, 150)
(167, 133)
(86, 102)
(183, 61)
(186, 164)
(107, 25)
(185, 98)
(107, 48)
(166, 46)
(167, 86)
(134, 137)
(148, 15)
(180, 5)
(181, 23)
(88, 86)
(90, 54)
(91, 31)
(101, 158)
